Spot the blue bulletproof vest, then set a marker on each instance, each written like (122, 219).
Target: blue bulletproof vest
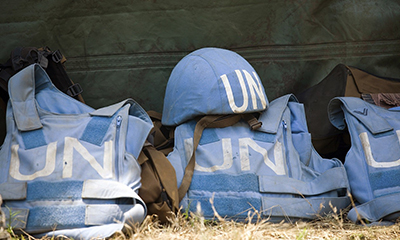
(65, 168)
(273, 170)
(373, 161)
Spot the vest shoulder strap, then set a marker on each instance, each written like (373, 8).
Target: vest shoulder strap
(359, 109)
(51, 61)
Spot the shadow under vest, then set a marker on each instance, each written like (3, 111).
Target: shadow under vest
(65, 168)
(273, 170)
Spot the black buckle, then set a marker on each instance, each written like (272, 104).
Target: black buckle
(57, 56)
(74, 90)
(255, 125)
(252, 121)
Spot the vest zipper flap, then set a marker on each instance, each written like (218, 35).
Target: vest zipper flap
(134, 110)
(273, 115)
(109, 111)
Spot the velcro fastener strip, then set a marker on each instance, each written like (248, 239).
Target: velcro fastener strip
(52, 191)
(96, 129)
(33, 139)
(225, 183)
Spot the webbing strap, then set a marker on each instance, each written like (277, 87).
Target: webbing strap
(209, 121)
(235, 207)
(302, 207)
(66, 190)
(321, 184)
(252, 121)
(57, 207)
(272, 184)
(376, 209)
(42, 218)
(13, 191)
(163, 137)
(16, 59)
(167, 175)
(275, 208)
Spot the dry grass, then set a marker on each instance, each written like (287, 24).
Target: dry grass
(195, 227)
(192, 226)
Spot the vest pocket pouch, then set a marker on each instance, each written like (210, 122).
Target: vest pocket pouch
(383, 161)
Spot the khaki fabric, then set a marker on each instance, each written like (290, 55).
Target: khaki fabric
(360, 82)
(341, 81)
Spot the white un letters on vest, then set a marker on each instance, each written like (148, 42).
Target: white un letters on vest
(244, 143)
(70, 145)
(254, 85)
(370, 158)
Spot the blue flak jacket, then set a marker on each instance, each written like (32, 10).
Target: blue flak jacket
(68, 169)
(373, 161)
(273, 170)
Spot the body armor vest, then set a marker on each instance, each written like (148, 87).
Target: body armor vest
(373, 161)
(273, 170)
(68, 169)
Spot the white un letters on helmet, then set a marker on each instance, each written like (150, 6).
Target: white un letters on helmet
(253, 85)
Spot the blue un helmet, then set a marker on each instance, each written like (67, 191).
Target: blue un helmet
(212, 81)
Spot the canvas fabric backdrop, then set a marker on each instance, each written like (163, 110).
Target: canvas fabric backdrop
(120, 49)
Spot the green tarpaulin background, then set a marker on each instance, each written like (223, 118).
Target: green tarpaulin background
(120, 49)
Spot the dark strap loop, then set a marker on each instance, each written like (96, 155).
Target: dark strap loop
(252, 121)
(74, 90)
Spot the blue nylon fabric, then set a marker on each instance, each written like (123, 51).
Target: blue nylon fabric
(315, 207)
(264, 137)
(42, 191)
(225, 206)
(373, 161)
(208, 135)
(96, 129)
(54, 161)
(196, 86)
(225, 182)
(318, 185)
(386, 179)
(33, 139)
(48, 217)
(234, 167)
(377, 209)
